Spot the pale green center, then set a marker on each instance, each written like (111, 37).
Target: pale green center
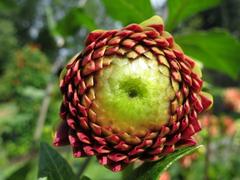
(133, 93)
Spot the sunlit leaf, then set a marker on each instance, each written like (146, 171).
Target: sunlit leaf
(216, 49)
(53, 166)
(180, 10)
(129, 12)
(152, 170)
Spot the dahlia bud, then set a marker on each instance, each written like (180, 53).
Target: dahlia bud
(131, 94)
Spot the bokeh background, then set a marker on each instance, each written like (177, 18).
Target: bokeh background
(38, 37)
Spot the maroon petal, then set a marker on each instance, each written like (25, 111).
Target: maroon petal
(61, 136)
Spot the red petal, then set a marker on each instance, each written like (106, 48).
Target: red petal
(83, 138)
(158, 27)
(134, 27)
(93, 36)
(188, 132)
(88, 150)
(206, 103)
(122, 146)
(117, 157)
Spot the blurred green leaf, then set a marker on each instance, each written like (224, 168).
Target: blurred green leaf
(128, 170)
(152, 170)
(50, 21)
(179, 11)
(216, 49)
(53, 166)
(129, 12)
(22, 172)
(7, 6)
(73, 21)
(10, 169)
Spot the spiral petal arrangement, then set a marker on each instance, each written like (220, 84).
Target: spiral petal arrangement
(131, 94)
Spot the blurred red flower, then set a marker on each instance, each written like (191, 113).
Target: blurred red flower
(165, 176)
(232, 98)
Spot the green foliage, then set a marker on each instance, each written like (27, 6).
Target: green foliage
(216, 49)
(27, 62)
(181, 10)
(24, 83)
(134, 12)
(8, 42)
(152, 170)
(52, 166)
(73, 21)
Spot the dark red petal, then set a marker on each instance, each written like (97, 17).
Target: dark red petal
(173, 139)
(78, 152)
(71, 123)
(83, 137)
(138, 36)
(186, 142)
(73, 139)
(116, 167)
(102, 160)
(88, 150)
(152, 34)
(168, 149)
(135, 151)
(156, 151)
(102, 149)
(61, 136)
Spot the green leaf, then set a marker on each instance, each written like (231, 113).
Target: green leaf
(21, 172)
(100, 172)
(152, 170)
(85, 178)
(73, 21)
(129, 12)
(179, 11)
(53, 166)
(216, 49)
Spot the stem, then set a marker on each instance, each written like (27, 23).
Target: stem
(43, 112)
(47, 99)
(83, 166)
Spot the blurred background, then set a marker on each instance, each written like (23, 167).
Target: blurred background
(38, 37)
